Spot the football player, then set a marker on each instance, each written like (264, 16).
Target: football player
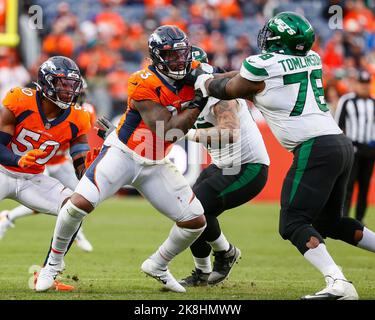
(285, 83)
(135, 153)
(34, 126)
(61, 168)
(237, 174)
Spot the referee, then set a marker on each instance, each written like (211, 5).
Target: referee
(355, 115)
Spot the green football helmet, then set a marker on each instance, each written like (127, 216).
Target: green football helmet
(199, 54)
(287, 33)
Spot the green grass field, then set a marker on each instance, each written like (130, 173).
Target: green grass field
(124, 232)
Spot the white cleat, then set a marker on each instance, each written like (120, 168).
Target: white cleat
(82, 242)
(47, 276)
(152, 269)
(336, 289)
(5, 223)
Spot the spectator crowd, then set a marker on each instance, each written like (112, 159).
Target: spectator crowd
(108, 39)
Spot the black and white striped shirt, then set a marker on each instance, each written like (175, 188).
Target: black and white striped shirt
(356, 117)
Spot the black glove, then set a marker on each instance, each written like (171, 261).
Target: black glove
(106, 127)
(198, 102)
(192, 76)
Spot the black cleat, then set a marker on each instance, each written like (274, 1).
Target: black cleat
(196, 279)
(223, 264)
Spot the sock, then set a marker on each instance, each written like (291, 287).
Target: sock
(178, 240)
(204, 264)
(67, 224)
(321, 259)
(220, 244)
(368, 240)
(20, 211)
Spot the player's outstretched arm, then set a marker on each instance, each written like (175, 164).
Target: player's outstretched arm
(227, 128)
(78, 151)
(7, 157)
(227, 88)
(161, 121)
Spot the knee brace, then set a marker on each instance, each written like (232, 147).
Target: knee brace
(300, 236)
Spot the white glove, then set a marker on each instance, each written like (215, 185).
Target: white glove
(200, 83)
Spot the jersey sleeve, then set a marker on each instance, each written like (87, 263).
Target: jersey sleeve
(255, 69)
(12, 101)
(142, 89)
(83, 123)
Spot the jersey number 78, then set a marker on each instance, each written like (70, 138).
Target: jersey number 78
(303, 79)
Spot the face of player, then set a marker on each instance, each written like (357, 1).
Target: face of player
(67, 89)
(177, 60)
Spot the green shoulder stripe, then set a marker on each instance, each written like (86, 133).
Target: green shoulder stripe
(254, 70)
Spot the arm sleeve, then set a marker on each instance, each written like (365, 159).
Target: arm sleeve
(7, 157)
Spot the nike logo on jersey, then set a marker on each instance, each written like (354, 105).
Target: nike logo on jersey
(134, 83)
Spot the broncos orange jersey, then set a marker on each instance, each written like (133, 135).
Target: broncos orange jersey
(61, 154)
(148, 84)
(34, 131)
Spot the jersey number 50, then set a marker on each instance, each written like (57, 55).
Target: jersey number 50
(53, 146)
(303, 79)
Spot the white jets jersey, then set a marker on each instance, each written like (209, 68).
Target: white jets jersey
(249, 148)
(293, 99)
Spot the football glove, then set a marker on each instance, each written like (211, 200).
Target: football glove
(198, 102)
(106, 127)
(197, 77)
(30, 158)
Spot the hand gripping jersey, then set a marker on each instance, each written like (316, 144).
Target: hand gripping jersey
(148, 84)
(293, 99)
(34, 131)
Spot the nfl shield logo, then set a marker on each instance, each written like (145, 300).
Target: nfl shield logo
(47, 125)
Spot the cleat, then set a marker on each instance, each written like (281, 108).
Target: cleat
(5, 223)
(196, 279)
(82, 242)
(223, 264)
(47, 276)
(152, 269)
(336, 289)
(57, 285)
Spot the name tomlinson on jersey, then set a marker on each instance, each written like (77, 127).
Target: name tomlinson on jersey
(300, 62)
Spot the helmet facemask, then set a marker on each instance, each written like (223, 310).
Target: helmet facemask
(63, 91)
(174, 63)
(264, 36)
